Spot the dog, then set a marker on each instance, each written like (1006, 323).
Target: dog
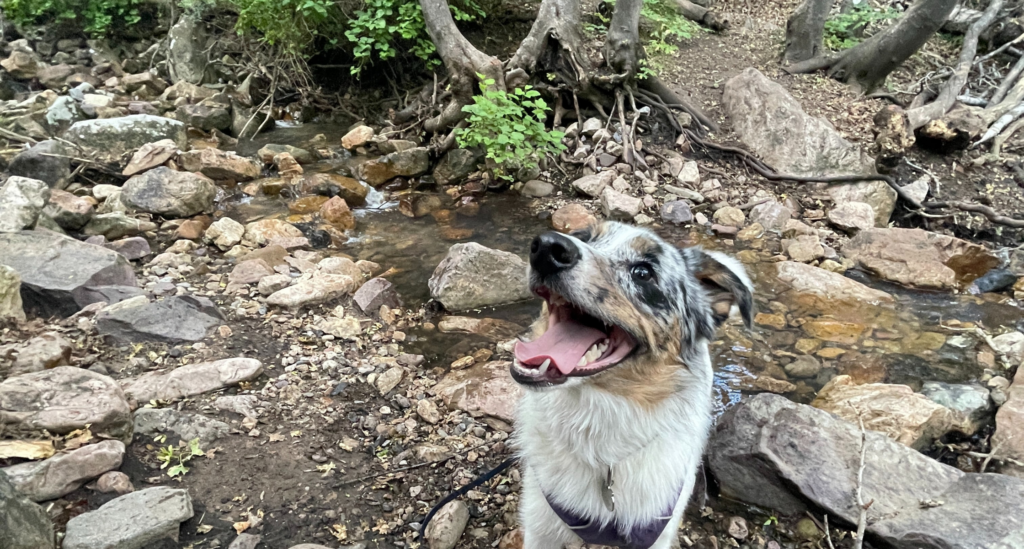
(618, 398)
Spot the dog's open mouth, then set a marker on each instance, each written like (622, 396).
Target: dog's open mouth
(575, 344)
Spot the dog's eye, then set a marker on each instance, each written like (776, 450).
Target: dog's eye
(641, 272)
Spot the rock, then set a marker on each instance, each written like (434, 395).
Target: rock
(54, 76)
(537, 189)
(21, 65)
(995, 280)
(23, 524)
(259, 233)
(147, 80)
(152, 421)
(455, 166)
(494, 329)
(594, 185)
(1010, 347)
(427, 411)
(687, 194)
(193, 379)
(343, 266)
(186, 55)
(321, 288)
(918, 189)
(804, 366)
(43, 352)
(347, 328)
(830, 287)
(244, 405)
(56, 271)
(481, 390)
(204, 117)
(64, 399)
(730, 217)
(845, 333)
(616, 205)
(804, 249)
(270, 284)
(68, 210)
(21, 201)
(789, 457)
(219, 165)
(914, 257)
(245, 541)
(407, 163)
(150, 156)
(165, 192)
(472, 276)
(876, 194)
(852, 217)
(250, 272)
(65, 472)
(771, 215)
(269, 151)
(970, 403)
(446, 528)
(374, 293)
(225, 233)
(131, 521)
(39, 162)
(390, 379)
(357, 137)
(676, 212)
(116, 225)
(107, 139)
(11, 308)
(1009, 435)
(114, 481)
(689, 174)
(336, 212)
(170, 320)
(572, 217)
(895, 410)
(331, 185)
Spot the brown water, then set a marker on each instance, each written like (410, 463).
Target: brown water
(922, 337)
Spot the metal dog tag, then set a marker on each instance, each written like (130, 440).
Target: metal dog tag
(607, 494)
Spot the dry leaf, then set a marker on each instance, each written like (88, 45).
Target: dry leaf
(204, 529)
(27, 449)
(241, 526)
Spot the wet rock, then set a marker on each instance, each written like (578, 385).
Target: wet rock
(730, 217)
(616, 205)
(331, 185)
(43, 352)
(491, 328)
(374, 293)
(829, 286)
(594, 185)
(455, 166)
(269, 151)
(165, 192)
(193, 379)
(785, 456)
(914, 257)
(132, 521)
(259, 233)
(389, 379)
(219, 165)
(481, 390)
(852, 217)
(170, 320)
(970, 403)
(771, 385)
(150, 156)
(572, 217)
(64, 399)
(321, 288)
(204, 117)
(110, 138)
(408, 163)
(895, 410)
(804, 366)
(537, 189)
(69, 211)
(845, 333)
(11, 308)
(336, 212)
(56, 270)
(153, 421)
(447, 526)
(225, 233)
(23, 524)
(116, 225)
(473, 276)
(21, 201)
(995, 280)
(131, 248)
(771, 215)
(804, 249)
(676, 212)
(64, 473)
(1009, 435)
(357, 137)
(114, 482)
(46, 161)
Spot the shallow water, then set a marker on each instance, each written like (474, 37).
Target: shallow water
(924, 336)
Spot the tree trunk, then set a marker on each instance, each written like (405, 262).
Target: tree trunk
(805, 30)
(622, 51)
(704, 16)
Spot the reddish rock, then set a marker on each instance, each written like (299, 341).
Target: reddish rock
(336, 212)
(374, 293)
(572, 217)
(193, 229)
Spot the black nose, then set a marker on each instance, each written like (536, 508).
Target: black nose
(552, 253)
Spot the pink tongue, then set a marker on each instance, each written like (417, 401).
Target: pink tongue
(564, 343)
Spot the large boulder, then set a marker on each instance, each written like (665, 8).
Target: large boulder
(186, 55)
(11, 307)
(64, 399)
(170, 320)
(407, 163)
(455, 166)
(132, 521)
(473, 276)
(46, 161)
(775, 127)
(23, 524)
(204, 116)
(21, 201)
(788, 457)
(169, 193)
(109, 138)
(481, 390)
(57, 271)
(1009, 435)
(915, 257)
(219, 165)
(65, 472)
(828, 286)
(193, 379)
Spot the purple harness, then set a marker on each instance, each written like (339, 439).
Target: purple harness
(641, 536)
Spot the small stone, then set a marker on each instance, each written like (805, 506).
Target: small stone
(572, 217)
(463, 363)
(689, 175)
(537, 189)
(225, 233)
(804, 366)
(804, 249)
(737, 528)
(389, 380)
(617, 205)
(775, 321)
(427, 410)
(114, 481)
(594, 185)
(357, 137)
(676, 212)
(447, 527)
(730, 216)
(852, 216)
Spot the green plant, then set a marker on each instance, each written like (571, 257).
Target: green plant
(168, 454)
(292, 25)
(510, 126)
(845, 30)
(667, 27)
(96, 17)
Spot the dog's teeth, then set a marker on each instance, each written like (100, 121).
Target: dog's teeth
(544, 367)
(583, 360)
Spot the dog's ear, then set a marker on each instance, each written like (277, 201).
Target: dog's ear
(726, 283)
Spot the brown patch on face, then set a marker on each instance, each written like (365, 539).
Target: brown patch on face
(647, 381)
(644, 246)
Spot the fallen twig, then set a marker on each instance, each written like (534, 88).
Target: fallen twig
(17, 137)
(862, 519)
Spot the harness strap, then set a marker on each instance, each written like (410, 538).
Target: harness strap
(641, 536)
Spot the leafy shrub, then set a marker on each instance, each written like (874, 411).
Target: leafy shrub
(292, 25)
(667, 26)
(844, 30)
(510, 126)
(96, 17)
